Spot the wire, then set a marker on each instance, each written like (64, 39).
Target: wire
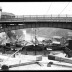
(49, 8)
(64, 8)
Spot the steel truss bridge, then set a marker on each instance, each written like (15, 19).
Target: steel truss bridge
(35, 21)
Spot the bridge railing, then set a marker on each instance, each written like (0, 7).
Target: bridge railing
(45, 17)
(64, 15)
(39, 18)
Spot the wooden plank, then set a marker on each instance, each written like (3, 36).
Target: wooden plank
(60, 59)
(57, 64)
(22, 64)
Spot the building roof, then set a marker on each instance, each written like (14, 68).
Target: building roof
(10, 14)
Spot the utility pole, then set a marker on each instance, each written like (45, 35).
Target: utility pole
(35, 41)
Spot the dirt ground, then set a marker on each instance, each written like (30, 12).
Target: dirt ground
(23, 57)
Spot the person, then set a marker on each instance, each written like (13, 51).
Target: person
(3, 50)
(4, 68)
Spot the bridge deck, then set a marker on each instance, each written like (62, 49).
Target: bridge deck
(37, 19)
(7, 24)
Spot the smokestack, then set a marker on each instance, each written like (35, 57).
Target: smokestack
(0, 12)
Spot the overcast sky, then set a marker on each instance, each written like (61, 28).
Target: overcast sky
(36, 8)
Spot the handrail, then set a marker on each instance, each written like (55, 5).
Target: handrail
(64, 15)
(38, 18)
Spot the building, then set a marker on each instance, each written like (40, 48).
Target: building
(0, 12)
(5, 15)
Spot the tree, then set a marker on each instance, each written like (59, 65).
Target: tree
(11, 36)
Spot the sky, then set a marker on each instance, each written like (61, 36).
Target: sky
(37, 8)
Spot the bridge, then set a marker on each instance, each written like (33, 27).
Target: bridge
(35, 21)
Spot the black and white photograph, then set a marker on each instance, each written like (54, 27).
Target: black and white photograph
(35, 36)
